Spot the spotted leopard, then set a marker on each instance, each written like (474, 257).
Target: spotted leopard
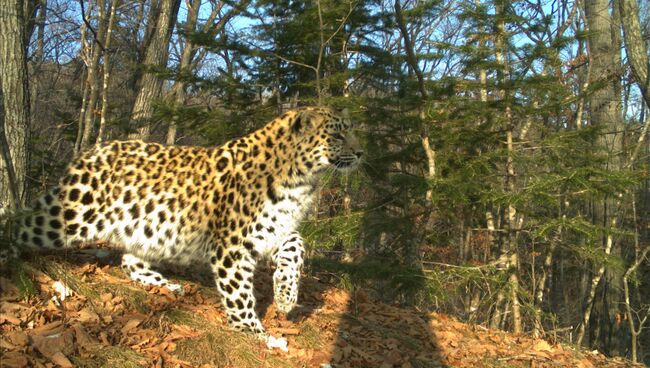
(229, 206)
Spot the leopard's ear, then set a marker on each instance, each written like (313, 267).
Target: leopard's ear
(303, 121)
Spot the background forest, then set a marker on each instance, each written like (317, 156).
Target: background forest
(506, 179)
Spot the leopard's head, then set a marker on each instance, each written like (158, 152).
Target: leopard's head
(325, 140)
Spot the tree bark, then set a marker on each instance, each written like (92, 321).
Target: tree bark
(637, 54)
(84, 54)
(501, 57)
(604, 110)
(604, 103)
(107, 71)
(156, 56)
(37, 59)
(178, 91)
(93, 78)
(15, 99)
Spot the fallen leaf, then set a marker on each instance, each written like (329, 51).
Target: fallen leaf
(61, 360)
(7, 307)
(285, 331)
(88, 316)
(6, 344)
(8, 290)
(84, 340)
(394, 357)
(48, 329)
(7, 317)
(104, 337)
(53, 346)
(14, 359)
(131, 324)
(182, 331)
(584, 363)
(18, 338)
(542, 345)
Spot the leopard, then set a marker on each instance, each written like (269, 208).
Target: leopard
(229, 207)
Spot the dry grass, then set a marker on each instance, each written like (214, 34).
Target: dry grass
(113, 357)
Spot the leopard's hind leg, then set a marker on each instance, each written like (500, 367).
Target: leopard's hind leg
(140, 270)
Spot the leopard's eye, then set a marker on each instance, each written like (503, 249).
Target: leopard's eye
(338, 136)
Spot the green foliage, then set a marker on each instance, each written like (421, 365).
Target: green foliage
(388, 278)
(330, 233)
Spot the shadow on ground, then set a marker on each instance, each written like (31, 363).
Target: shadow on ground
(370, 333)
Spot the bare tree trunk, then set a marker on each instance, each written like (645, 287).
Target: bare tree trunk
(424, 134)
(156, 55)
(613, 296)
(15, 99)
(499, 311)
(29, 9)
(512, 226)
(37, 59)
(639, 257)
(84, 54)
(107, 71)
(637, 54)
(178, 92)
(604, 111)
(541, 283)
(189, 51)
(513, 262)
(430, 153)
(93, 78)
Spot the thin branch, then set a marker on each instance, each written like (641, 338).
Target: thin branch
(85, 20)
(292, 61)
(343, 21)
(410, 54)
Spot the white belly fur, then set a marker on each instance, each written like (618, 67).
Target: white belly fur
(279, 220)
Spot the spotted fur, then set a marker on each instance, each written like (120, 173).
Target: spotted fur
(229, 206)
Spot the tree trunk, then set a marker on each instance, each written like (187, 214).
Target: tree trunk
(501, 57)
(178, 91)
(15, 98)
(604, 109)
(93, 78)
(637, 54)
(84, 53)
(156, 55)
(37, 59)
(189, 58)
(107, 71)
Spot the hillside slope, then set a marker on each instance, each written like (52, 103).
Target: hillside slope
(109, 321)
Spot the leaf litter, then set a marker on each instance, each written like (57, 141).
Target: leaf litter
(95, 316)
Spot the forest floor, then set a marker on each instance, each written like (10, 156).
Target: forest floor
(108, 321)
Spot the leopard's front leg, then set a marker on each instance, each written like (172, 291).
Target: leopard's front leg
(234, 270)
(288, 262)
